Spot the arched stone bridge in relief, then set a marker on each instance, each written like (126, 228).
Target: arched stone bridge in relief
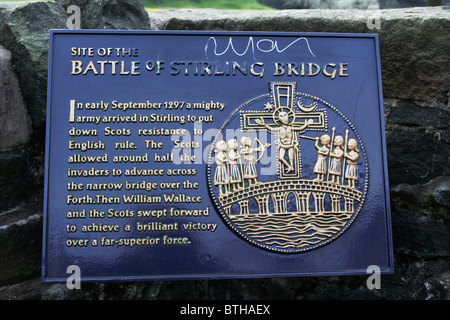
(302, 189)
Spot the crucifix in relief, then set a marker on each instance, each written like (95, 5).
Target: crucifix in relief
(283, 119)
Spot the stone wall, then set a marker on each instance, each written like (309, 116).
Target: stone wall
(414, 45)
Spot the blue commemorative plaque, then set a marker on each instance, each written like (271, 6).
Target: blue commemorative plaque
(201, 155)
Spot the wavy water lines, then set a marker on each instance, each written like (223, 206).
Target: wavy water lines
(291, 230)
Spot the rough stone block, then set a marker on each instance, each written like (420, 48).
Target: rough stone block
(24, 30)
(417, 235)
(111, 14)
(17, 181)
(14, 119)
(412, 114)
(21, 239)
(415, 155)
(414, 43)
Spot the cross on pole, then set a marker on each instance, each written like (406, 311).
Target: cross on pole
(285, 117)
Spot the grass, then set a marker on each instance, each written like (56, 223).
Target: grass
(240, 5)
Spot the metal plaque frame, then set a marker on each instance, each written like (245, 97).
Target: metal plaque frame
(181, 155)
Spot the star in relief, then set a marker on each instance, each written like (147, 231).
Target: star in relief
(268, 106)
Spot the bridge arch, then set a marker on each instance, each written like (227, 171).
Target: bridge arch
(282, 195)
(292, 202)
